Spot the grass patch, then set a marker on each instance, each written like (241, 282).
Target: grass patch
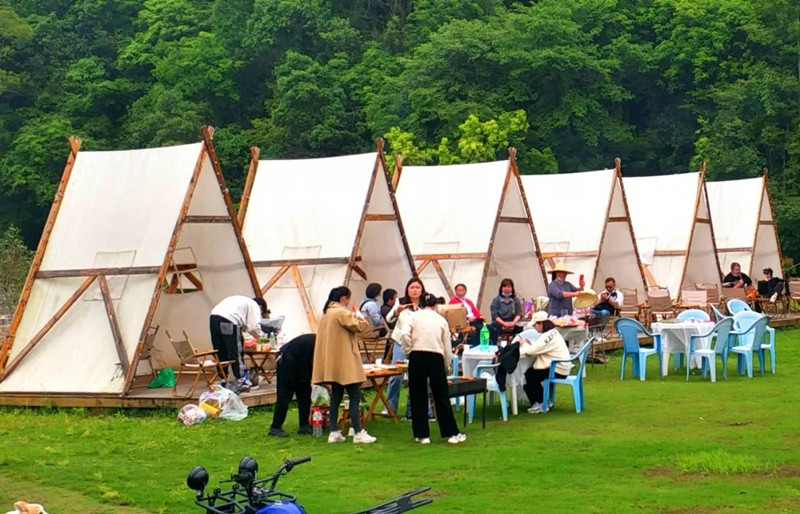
(721, 462)
(654, 446)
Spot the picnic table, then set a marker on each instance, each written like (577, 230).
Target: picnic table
(379, 378)
(259, 359)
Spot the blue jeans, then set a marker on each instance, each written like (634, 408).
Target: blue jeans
(601, 312)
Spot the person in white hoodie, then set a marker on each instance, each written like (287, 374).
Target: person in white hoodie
(426, 341)
(547, 347)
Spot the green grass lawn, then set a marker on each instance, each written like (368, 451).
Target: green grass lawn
(659, 445)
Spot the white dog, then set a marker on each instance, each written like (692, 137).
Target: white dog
(27, 508)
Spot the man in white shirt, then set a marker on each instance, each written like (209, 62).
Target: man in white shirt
(228, 318)
(609, 301)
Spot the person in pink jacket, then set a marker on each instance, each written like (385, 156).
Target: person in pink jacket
(474, 316)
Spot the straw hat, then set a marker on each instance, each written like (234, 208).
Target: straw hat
(535, 318)
(585, 298)
(560, 266)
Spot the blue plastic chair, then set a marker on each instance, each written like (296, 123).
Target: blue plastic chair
(574, 381)
(768, 343)
(721, 335)
(750, 334)
(628, 329)
(736, 305)
(491, 387)
(718, 316)
(694, 314)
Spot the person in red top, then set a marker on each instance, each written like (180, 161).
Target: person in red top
(474, 316)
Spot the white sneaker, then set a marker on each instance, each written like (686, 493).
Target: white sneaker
(773, 298)
(336, 437)
(550, 405)
(351, 432)
(536, 408)
(423, 440)
(363, 438)
(457, 439)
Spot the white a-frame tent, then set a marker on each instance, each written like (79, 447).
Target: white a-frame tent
(744, 225)
(673, 229)
(470, 224)
(134, 239)
(593, 236)
(315, 224)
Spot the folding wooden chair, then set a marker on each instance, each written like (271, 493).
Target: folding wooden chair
(734, 292)
(373, 345)
(630, 308)
(659, 303)
(205, 363)
(714, 297)
(147, 348)
(694, 299)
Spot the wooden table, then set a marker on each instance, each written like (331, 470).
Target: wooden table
(259, 360)
(379, 378)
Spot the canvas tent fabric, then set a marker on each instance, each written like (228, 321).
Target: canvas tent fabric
(470, 224)
(582, 219)
(315, 224)
(136, 238)
(673, 230)
(744, 225)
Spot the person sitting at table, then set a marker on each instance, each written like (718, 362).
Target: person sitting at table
(295, 361)
(228, 319)
(474, 316)
(506, 310)
(426, 341)
(771, 287)
(546, 348)
(337, 361)
(560, 292)
(370, 309)
(736, 278)
(609, 301)
(389, 299)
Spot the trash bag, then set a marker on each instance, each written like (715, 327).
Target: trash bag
(164, 378)
(191, 414)
(320, 397)
(234, 408)
(224, 403)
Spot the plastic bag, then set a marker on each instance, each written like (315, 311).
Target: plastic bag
(191, 414)
(320, 397)
(164, 378)
(234, 408)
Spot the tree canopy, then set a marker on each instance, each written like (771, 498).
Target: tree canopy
(663, 84)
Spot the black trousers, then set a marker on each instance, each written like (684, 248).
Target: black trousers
(354, 394)
(226, 338)
(533, 384)
(495, 330)
(424, 367)
(289, 386)
(474, 338)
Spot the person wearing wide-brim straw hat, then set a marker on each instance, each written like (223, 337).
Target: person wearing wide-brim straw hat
(560, 291)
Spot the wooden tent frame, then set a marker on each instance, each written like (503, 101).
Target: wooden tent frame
(551, 257)
(102, 274)
(759, 223)
(425, 260)
(353, 260)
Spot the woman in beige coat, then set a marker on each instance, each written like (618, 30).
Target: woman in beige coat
(337, 361)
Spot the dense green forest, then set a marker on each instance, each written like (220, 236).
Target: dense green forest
(663, 84)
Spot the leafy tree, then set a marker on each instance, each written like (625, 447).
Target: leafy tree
(15, 260)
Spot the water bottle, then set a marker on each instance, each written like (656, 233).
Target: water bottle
(273, 344)
(484, 338)
(316, 422)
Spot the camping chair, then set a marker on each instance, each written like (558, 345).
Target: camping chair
(794, 295)
(147, 348)
(659, 304)
(372, 344)
(573, 380)
(750, 334)
(721, 335)
(460, 329)
(629, 329)
(205, 363)
(768, 343)
(737, 293)
(713, 297)
(718, 316)
(630, 307)
(694, 299)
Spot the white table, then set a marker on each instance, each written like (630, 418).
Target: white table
(472, 356)
(675, 338)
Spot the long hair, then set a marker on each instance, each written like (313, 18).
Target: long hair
(405, 300)
(335, 295)
(506, 282)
